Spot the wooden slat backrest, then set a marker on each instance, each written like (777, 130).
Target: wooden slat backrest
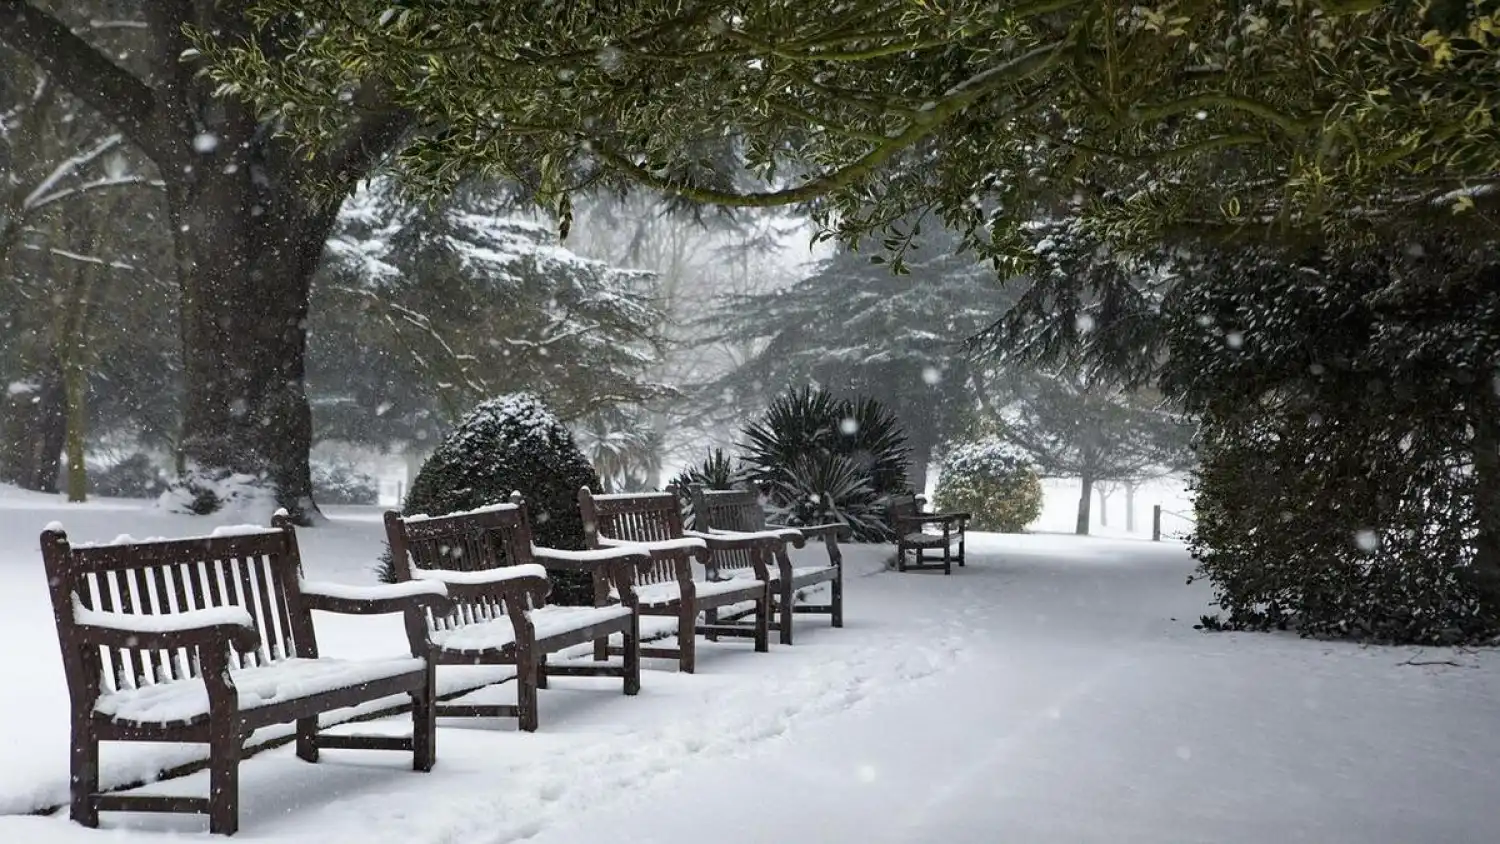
(256, 571)
(479, 540)
(899, 507)
(730, 509)
(636, 517)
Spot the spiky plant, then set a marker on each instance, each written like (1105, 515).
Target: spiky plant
(789, 451)
(717, 471)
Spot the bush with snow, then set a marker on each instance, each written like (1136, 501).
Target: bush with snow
(512, 444)
(136, 476)
(336, 483)
(993, 482)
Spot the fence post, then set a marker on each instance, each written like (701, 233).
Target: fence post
(1155, 522)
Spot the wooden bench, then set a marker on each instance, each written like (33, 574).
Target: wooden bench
(499, 582)
(909, 523)
(670, 586)
(208, 639)
(738, 513)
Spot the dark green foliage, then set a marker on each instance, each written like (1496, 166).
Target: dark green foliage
(340, 484)
(715, 472)
(137, 476)
(992, 482)
(820, 458)
(1350, 442)
(507, 444)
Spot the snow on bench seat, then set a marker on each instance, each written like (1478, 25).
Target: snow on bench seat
(547, 621)
(291, 679)
(658, 594)
(931, 539)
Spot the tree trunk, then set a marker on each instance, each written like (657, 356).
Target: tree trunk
(34, 429)
(1105, 491)
(247, 248)
(1485, 572)
(1085, 500)
(1130, 490)
(916, 471)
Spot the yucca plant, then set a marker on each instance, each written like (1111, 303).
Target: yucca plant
(717, 471)
(790, 452)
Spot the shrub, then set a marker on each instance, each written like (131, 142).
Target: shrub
(341, 484)
(1349, 445)
(137, 476)
(512, 443)
(993, 482)
(820, 457)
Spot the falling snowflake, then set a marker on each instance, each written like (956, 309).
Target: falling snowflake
(850, 426)
(1234, 339)
(865, 773)
(206, 142)
(1084, 323)
(930, 376)
(1366, 540)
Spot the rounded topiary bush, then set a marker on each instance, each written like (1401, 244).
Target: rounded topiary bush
(992, 482)
(506, 444)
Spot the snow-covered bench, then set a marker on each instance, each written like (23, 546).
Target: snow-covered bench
(670, 586)
(206, 640)
(737, 513)
(908, 521)
(498, 581)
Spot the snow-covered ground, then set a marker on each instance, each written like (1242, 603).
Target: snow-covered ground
(1052, 691)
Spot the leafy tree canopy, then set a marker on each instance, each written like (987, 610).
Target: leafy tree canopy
(1340, 117)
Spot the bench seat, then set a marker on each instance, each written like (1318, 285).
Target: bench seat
(549, 622)
(186, 701)
(662, 594)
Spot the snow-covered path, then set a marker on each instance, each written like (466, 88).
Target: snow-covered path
(1086, 709)
(1052, 691)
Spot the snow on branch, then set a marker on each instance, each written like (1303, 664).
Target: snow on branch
(68, 167)
(97, 184)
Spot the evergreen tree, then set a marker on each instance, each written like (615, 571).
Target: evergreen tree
(421, 312)
(853, 327)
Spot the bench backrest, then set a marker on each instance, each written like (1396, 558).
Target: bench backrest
(256, 569)
(635, 517)
(478, 540)
(729, 509)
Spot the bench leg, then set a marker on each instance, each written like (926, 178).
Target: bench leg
(900, 558)
(224, 748)
(424, 724)
(632, 656)
(526, 684)
(687, 637)
(84, 780)
(763, 622)
(307, 739)
(947, 559)
(960, 549)
(710, 617)
(541, 672)
(788, 597)
(601, 649)
(837, 600)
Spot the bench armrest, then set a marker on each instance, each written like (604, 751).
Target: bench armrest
(219, 626)
(838, 530)
(936, 518)
(375, 600)
(587, 561)
(665, 549)
(506, 581)
(793, 536)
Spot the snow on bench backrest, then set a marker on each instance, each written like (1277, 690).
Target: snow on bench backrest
(477, 540)
(252, 569)
(635, 517)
